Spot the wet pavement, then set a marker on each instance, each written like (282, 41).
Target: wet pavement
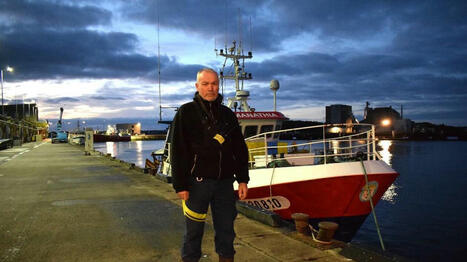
(59, 205)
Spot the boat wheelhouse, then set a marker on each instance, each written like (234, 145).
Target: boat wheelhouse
(254, 123)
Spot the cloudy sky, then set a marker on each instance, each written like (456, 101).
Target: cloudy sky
(98, 59)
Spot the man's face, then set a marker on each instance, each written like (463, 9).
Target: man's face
(208, 86)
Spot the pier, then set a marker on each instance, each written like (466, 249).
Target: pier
(59, 204)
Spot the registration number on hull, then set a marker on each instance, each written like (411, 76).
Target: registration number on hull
(269, 203)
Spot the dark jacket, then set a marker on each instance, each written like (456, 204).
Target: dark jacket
(195, 152)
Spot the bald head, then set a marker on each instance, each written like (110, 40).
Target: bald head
(207, 84)
(206, 69)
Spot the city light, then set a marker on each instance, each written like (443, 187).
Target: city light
(335, 130)
(8, 69)
(385, 122)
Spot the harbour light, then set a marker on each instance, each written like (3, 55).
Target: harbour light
(335, 130)
(385, 122)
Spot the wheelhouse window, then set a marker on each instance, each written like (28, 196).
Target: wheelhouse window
(250, 131)
(278, 127)
(266, 128)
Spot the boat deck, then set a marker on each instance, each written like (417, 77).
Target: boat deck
(60, 205)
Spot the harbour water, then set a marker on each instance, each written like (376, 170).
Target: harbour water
(133, 152)
(423, 216)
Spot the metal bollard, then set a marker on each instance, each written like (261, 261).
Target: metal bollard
(326, 230)
(301, 223)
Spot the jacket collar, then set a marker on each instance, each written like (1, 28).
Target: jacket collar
(198, 98)
(210, 108)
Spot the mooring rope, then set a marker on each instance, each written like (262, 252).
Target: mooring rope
(270, 181)
(313, 232)
(372, 206)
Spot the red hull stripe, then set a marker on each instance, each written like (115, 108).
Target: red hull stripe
(263, 176)
(326, 197)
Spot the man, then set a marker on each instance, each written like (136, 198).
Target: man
(208, 153)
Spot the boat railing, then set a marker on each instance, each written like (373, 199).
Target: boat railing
(334, 143)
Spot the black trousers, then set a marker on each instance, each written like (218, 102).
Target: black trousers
(218, 194)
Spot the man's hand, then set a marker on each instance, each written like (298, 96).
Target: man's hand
(184, 195)
(242, 191)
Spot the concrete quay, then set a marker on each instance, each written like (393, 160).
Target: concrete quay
(57, 204)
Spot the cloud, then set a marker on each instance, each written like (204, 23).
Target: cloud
(106, 98)
(52, 40)
(60, 100)
(53, 14)
(322, 52)
(207, 19)
(38, 53)
(383, 79)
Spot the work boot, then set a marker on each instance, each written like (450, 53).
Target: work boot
(224, 259)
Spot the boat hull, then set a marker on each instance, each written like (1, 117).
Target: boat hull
(110, 138)
(333, 192)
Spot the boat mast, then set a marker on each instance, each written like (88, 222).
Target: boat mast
(236, 54)
(159, 75)
(159, 66)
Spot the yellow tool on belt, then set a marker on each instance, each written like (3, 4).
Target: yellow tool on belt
(219, 138)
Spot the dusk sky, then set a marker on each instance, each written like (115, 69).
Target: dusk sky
(98, 59)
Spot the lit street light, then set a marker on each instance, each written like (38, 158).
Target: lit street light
(8, 69)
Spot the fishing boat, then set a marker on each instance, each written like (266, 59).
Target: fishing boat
(335, 175)
(99, 138)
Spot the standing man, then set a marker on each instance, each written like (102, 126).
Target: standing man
(208, 153)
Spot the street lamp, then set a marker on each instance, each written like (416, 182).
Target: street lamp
(8, 69)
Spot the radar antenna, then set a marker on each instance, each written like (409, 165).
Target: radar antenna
(236, 55)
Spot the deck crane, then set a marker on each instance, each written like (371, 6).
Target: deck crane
(61, 135)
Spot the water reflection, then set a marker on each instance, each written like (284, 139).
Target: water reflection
(384, 152)
(391, 194)
(386, 155)
(111, 148)
(133, 152)
(335, 146)
(139, 153)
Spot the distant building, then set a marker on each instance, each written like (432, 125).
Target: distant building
(339, 114)
(378, 115)
(21, 111)
(388, 122)
(403, 128)
(129, 129)
(26, 123)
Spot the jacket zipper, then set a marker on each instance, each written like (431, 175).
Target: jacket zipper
(210, 111)
(220, 151)
(194, 164)
(220, 165)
